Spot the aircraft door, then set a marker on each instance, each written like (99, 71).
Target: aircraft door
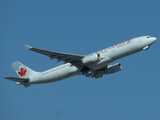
(139, 40)
(113, 49)
(39, 76)
(137, 43)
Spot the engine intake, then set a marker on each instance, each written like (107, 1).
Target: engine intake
(113, 68)
(87, 72)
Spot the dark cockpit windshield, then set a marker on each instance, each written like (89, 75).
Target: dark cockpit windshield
(148, 36)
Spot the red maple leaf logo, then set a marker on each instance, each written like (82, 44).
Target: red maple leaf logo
(22, 72)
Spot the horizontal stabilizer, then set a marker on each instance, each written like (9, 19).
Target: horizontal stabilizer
(17, 79)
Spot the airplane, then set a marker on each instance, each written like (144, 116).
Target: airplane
(94, 65)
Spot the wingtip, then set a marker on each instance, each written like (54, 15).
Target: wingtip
(28, 47)
(5, 77)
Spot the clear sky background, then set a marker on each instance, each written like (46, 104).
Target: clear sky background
(80, 27)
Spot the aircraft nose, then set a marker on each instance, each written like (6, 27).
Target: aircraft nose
(154, 39)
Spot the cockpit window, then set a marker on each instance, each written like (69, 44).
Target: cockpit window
(148, 36)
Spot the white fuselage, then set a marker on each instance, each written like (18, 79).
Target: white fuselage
(107, 55)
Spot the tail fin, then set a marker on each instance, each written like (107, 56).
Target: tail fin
(22, 70)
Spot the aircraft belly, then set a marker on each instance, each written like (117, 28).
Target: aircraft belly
(59, 75)
(53, 76)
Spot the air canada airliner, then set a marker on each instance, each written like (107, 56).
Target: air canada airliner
(94, 65)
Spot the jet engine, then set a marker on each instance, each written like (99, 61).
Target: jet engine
(91, 59)
(113, 68)
(87, 72)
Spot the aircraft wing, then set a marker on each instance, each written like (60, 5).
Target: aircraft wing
(71, 58)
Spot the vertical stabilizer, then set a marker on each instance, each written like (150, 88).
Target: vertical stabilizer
(22, 70)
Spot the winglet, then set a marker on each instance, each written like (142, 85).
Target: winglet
(28, 47)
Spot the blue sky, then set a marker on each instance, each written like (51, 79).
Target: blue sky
(80, 27)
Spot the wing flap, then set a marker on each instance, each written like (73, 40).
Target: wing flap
(17, 79)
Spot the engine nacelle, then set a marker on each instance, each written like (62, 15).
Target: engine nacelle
(113, 68)
(91, 59)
